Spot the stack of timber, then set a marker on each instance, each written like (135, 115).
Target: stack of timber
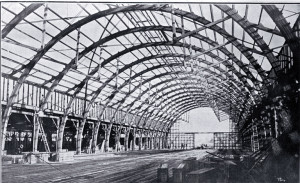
(64, 156)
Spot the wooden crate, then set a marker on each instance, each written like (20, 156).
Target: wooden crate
(163, 173)
(179, 173)
(206, 175)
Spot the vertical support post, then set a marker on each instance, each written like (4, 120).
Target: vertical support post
(151, 140)
(77, 132)
(140, 139)
(60, 135)
(159, 140)
(107, 135)
(127, 130)
(35, 135)
(155, 140)
(79, 136)
(167, 143)
(133, 140)
(117, 138)
(95, 136)
(57, 129)
(147, 141)
(164, 141)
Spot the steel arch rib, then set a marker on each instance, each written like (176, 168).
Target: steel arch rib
(162, 56)
(193, 86)
(168, 80)
(173, 107)
(168, 87)
(128, 66)
(252, 33)
(153, 68)
(100, 89)
(168, 65)
(120, 103)
(19, 17)
(42, 51)
(179, 114)
(291, 39)
(181, 94)
(121, 33)
(134, 90)
(127, 50)
(137, 75)
(202, 104)
(187, 104)
(129, 106)
(186, 107)
(81, 22)
(178, 101)
(93, 17)
(113, 36)
(284, 27)
(160, 90)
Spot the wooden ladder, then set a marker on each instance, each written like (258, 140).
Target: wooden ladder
(44, 138)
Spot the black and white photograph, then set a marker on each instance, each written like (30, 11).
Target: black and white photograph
(150, 92)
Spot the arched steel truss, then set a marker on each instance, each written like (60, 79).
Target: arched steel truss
(232, 83)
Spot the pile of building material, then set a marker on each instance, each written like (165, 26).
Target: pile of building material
(221, 166)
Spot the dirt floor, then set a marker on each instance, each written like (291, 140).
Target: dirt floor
(134, 166)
